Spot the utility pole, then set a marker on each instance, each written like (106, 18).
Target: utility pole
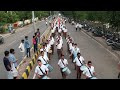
(33, 19)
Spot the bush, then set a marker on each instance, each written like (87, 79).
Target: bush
(2, 29)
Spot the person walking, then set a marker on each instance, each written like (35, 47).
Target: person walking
(22, 48)
(59, 48)
(79, 61)
(27, 47)
(41, 70)
(89, 71)
(62, 63)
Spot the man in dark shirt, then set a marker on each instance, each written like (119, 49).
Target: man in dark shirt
(7, 64)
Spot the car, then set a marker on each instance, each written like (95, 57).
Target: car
(1, 40)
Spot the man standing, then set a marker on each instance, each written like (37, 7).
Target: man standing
(7, 65)
(62, 63)
(36, 39)
(27, 46)
(34, 43)
(79, 61)
(40, 70)
(38, 35)
(12, 58)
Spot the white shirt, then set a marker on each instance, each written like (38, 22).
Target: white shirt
(75, 50)
(52, 41)
(65, 30)
(78, 62)
(61, 64)
(22, 47)
(70, 46)
(87, 73)
(43, 68)
(59, 46)
(59, 30)
(44, 50)
(44, 59)
(48, 47)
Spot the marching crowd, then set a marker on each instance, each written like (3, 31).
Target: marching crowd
(43, 68)
(58, 31)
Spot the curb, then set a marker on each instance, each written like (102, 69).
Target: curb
(26, 73)
(103, 45)
(30, 66)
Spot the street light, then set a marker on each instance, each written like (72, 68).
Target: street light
(33, 19)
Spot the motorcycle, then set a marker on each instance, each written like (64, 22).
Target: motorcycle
(1, 40)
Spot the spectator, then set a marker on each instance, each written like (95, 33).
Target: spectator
(7, 65)
(12, 58)
(22, 48)
(27, 46)
(36, 39)
(34, 43)
(38, 35)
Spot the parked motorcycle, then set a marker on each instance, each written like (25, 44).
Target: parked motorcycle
(1, 40)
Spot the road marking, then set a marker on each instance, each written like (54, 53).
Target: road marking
(102, 46)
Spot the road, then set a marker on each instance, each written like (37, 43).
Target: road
(13, 41)
(104, 62)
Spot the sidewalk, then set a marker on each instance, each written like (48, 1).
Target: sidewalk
(103, 42)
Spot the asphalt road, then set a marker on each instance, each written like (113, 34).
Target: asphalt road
(13, 41)
(104, 62)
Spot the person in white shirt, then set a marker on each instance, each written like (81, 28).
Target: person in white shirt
(80, 26)
(44, 49)
(65, 32)
(62, 63)
(48, 47)
(59, 48)
(76, 26)
(89, 71)
(22, 48)
(46, 23)
(75, 50)
(79, 61)
(52, 43)
(53, 31)
(40, 70)
(44, 59)
(67, 39)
